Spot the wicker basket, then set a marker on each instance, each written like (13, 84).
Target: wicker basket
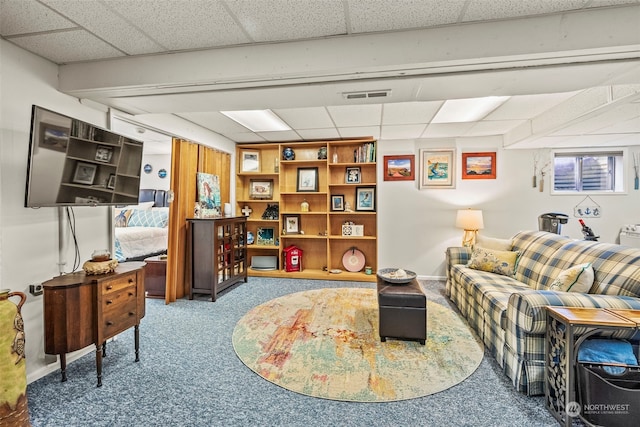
(100, 267)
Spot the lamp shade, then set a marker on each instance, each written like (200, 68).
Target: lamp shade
(469, 219)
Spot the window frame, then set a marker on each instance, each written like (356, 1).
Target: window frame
(619, 178)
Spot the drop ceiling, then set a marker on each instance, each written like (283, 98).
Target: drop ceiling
(570, 67)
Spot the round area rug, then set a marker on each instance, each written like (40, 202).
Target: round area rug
(325, 343)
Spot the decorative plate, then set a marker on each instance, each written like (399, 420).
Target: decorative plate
(394, 275)
(353, 260)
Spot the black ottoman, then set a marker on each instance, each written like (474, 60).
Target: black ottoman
(403, 311)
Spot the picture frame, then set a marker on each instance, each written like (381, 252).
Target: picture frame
(366, 199)
(479, 165)
(437, 168)
(307, 180)
(250, 161)
(352, 176)
(261, 189)
(265, 236)
(111, 182)
(291, 224)
(337, 202)
(84, 173)
(53, 137)
(104, 153)
(399, 168)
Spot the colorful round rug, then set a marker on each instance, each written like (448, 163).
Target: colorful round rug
(325, 343)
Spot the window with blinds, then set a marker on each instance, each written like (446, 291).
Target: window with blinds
(588, 172)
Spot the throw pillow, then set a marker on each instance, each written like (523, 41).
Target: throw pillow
(578, 278)
(493, 261)
(122, 218)
(494, 243)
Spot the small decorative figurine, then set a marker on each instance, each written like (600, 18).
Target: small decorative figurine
(288, 154)
(304, 206)
(322, 153)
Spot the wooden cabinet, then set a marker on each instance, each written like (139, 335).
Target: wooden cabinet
(80, 310)
(100, 167)
(319, 229)
(216, 253)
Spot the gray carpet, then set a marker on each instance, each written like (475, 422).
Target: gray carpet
(189, 375)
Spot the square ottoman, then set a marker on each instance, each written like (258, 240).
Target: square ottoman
(402, 311)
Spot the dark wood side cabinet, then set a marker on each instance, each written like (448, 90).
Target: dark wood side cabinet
(80, 310)
(216, 252)
(155, 276)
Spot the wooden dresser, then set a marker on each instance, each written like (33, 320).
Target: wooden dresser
(80, 310)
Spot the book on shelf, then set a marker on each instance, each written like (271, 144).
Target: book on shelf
(365, 153)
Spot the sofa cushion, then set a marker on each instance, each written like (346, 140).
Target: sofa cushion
(493, 261)
(575, 279)
(494, 243)
(537, 248)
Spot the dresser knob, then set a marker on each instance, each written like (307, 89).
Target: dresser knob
(131, 314)
(131, 280)
(109, 302)
(130, 294)
(109, 287)
(109, 323)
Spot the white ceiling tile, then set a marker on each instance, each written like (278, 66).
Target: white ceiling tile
(383, 15)
(276, 20)
(502, 9)
(29, 16)
(286, 135)
(360, 131)
(402, 113)
(495, 127)
(67, 46)
(104, 23)
(446, 130)
(215, 121)
(527, 106)
(313, 134)
(356, 115)
(402, 131)
(243, 137)
(179, 25)
(305, 118)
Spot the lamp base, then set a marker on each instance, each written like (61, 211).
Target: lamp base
(469, 238)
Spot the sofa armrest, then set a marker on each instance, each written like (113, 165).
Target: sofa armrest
(526, 309)
(457, 255)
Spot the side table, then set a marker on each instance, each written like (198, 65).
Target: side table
(155, 276)
(561, 347)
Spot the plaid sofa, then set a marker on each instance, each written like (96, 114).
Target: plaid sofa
(508, 312)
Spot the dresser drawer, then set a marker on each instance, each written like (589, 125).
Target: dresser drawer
(115, 285)
(119, 317)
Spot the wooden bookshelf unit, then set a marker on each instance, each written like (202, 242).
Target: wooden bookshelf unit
(317, 231)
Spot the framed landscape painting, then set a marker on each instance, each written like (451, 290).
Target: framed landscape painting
(399, 168)
(437, 168)
(479, 165)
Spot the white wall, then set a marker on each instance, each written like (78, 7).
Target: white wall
(416, 226)
(157, 162)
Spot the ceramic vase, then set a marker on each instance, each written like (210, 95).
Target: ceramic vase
(288, 154)
(13, 381)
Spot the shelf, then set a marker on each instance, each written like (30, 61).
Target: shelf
(262, 220)
(332, 237)
(262, 247)
(259, 174)
(309, 273)
(302, 236)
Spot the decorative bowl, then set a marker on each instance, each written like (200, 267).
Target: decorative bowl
(103, 267)
(390, 275)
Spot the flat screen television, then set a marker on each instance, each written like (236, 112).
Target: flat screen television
(74, 163)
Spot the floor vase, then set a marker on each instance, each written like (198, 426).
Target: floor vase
(13, 381)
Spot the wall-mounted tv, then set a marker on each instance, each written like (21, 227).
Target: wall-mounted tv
(74, 163)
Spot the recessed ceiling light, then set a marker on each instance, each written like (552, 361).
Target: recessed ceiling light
(468, 109)
(258, 120)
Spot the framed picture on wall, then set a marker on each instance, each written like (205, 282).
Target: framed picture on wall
(261, 189)
(337, 202)
(365, 199)
(399, 168)
(250, 161)
(292, 224)
(437, 168)
(479, 165)
(307, 179)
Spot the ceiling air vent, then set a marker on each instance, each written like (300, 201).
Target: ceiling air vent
(368, 94)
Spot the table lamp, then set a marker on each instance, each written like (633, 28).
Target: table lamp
(470, 220)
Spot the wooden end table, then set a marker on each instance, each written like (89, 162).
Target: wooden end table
(561, 347)
(155, 276)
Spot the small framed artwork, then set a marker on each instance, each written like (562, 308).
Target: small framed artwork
(261, 189)
(307, 179)
(265, 236)
(366, 199)
(292, 224)
(437, 168)
(104, 153)
(250, 161)
(479, 165)
(352, 176)
(399, 168)
(337, 202)
(111, 182)
(84, 173)
(54, 137)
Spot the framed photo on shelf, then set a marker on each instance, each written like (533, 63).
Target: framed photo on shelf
(337, 202)
(84, 173)
(265, 236)
(366, 199)
(54, 137)
(104, 153)
(479, 165)
(111, 182)
(307, 179)
(250, 161)
(292, 224)
(352, 176)
(261, 189)
(437, 168)
(399, 168)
